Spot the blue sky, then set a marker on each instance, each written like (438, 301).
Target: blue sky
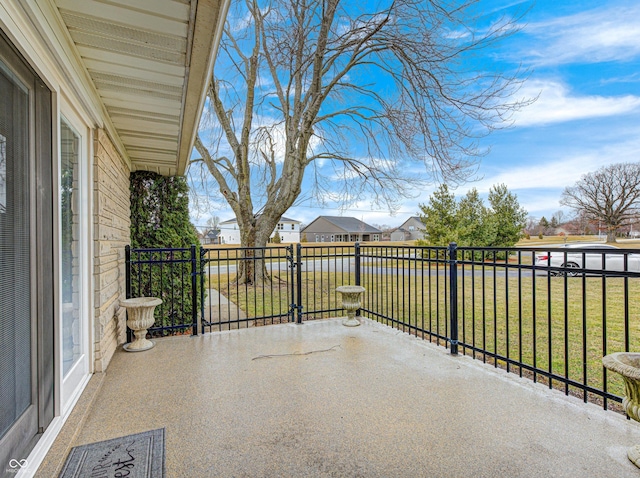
(584, 62)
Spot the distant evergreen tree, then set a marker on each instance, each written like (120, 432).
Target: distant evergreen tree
(469, 222)
(276, 239)
(440, 217)
(473, 224)
(543, 225)
(507, 217)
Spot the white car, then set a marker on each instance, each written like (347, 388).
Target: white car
(595, 256)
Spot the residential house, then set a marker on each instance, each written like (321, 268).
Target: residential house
(212, 236)
(410, 230)
(340, 229)
(90, 92)
(386, 233)
(289, 230)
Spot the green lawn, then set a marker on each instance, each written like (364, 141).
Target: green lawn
(562, 318)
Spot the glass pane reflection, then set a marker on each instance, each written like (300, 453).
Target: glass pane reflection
(70, 244)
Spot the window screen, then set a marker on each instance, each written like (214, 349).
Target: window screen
(15, 289)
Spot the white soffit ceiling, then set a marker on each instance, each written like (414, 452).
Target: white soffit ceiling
(150, 62)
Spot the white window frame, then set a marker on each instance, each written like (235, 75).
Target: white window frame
(72, 385)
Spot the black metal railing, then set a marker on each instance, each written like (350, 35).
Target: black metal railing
(170, 274)
(245, 287)
(548, 314)
(408, 288)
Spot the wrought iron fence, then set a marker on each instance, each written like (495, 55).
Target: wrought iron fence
(245, 287)
(170, 274)
(548, 314)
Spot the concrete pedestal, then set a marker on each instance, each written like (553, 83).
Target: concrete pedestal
(139, 319)
(351, 302)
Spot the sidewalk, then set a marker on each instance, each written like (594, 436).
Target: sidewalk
(219, 309)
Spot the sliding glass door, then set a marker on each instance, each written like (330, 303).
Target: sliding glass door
(16, 310)
(26, 296)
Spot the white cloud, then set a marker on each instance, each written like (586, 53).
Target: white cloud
(507, 6)
(556, 104)
(554, 174)
(631, 78)
(539, 185)
(365, 215)
(604, 34)
(239, 23)
(540, 204)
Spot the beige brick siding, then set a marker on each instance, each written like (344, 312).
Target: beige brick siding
(111, 222)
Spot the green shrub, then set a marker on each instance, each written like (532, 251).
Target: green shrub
(160, 219)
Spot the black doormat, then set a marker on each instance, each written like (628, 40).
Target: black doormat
(133, 456)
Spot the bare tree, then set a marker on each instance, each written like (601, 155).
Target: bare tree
(543, 226)
(530, 225)
(213, 222)
(559, 217)
(610, 196)
(369, 88)
(579, 224)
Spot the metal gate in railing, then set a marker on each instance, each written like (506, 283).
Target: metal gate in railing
(208, 289)
(548, 314)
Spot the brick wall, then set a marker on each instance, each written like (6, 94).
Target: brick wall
(111, 221)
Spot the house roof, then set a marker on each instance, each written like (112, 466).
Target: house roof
(150, 63)
(412, 218)
(348, 224)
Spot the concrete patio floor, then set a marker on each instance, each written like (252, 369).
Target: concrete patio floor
(324, 400)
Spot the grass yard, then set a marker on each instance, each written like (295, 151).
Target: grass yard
(561, 319)
(554, 241)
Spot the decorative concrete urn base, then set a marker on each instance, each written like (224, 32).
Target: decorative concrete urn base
(350, 302)
(139, 319)
(627, 364)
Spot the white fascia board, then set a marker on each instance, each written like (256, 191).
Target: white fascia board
(209, 13)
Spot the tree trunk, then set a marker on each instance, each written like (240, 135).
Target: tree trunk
(252, 268)
(611, 235)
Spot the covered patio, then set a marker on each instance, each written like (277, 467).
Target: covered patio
(319, 399)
